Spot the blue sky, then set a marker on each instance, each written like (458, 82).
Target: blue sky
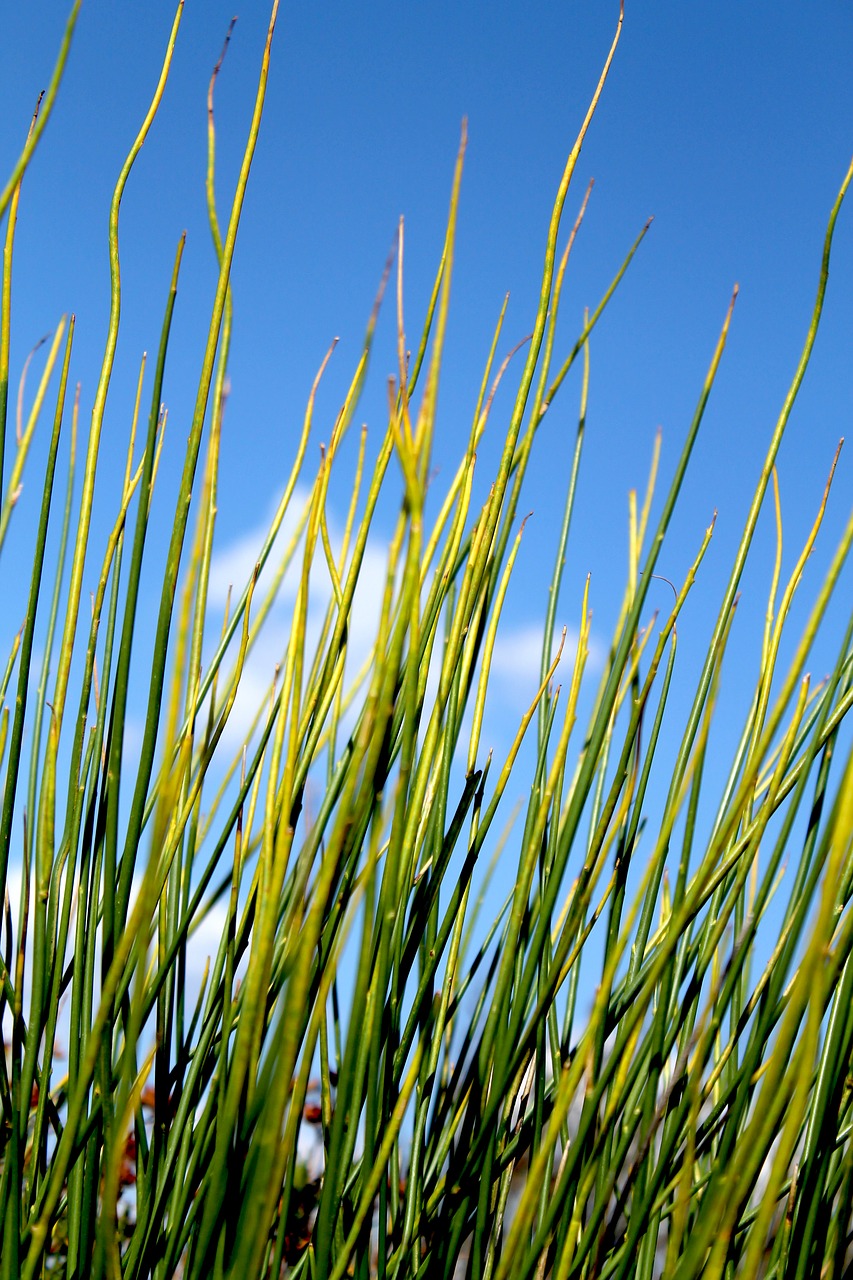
(731, 123)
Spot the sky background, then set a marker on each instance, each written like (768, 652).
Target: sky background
(732, 124)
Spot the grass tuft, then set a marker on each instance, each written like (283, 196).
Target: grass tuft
(465, 1118)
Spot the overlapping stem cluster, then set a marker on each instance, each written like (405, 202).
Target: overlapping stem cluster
(695, 1123)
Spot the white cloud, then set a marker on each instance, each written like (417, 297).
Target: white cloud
(517, 656)
(232, 565)
(516, 659)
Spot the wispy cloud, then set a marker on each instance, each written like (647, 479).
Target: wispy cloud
(232, 567)
(516, 660)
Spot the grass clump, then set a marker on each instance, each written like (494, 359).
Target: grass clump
(694, 1123)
